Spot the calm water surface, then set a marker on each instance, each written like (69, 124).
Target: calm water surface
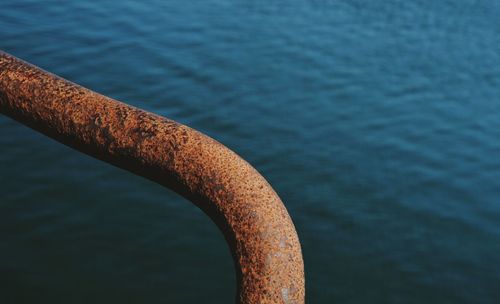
(377, 122)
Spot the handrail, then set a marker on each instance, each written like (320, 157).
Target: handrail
(261, 236)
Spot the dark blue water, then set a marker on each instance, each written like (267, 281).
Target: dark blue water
(377, 122)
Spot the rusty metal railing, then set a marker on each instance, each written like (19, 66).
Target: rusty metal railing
(256, 225)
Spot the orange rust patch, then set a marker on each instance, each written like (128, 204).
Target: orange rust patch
(259, 231)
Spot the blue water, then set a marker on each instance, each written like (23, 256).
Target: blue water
(377, 122)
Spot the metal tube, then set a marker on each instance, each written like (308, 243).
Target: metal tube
(254, 221)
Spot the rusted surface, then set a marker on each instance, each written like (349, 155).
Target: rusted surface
(257, 226)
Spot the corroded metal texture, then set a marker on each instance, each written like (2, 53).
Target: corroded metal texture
(257, 227)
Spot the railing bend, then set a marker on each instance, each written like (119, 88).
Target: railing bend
(256, 225)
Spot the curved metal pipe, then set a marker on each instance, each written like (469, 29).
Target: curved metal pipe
(257, 227)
